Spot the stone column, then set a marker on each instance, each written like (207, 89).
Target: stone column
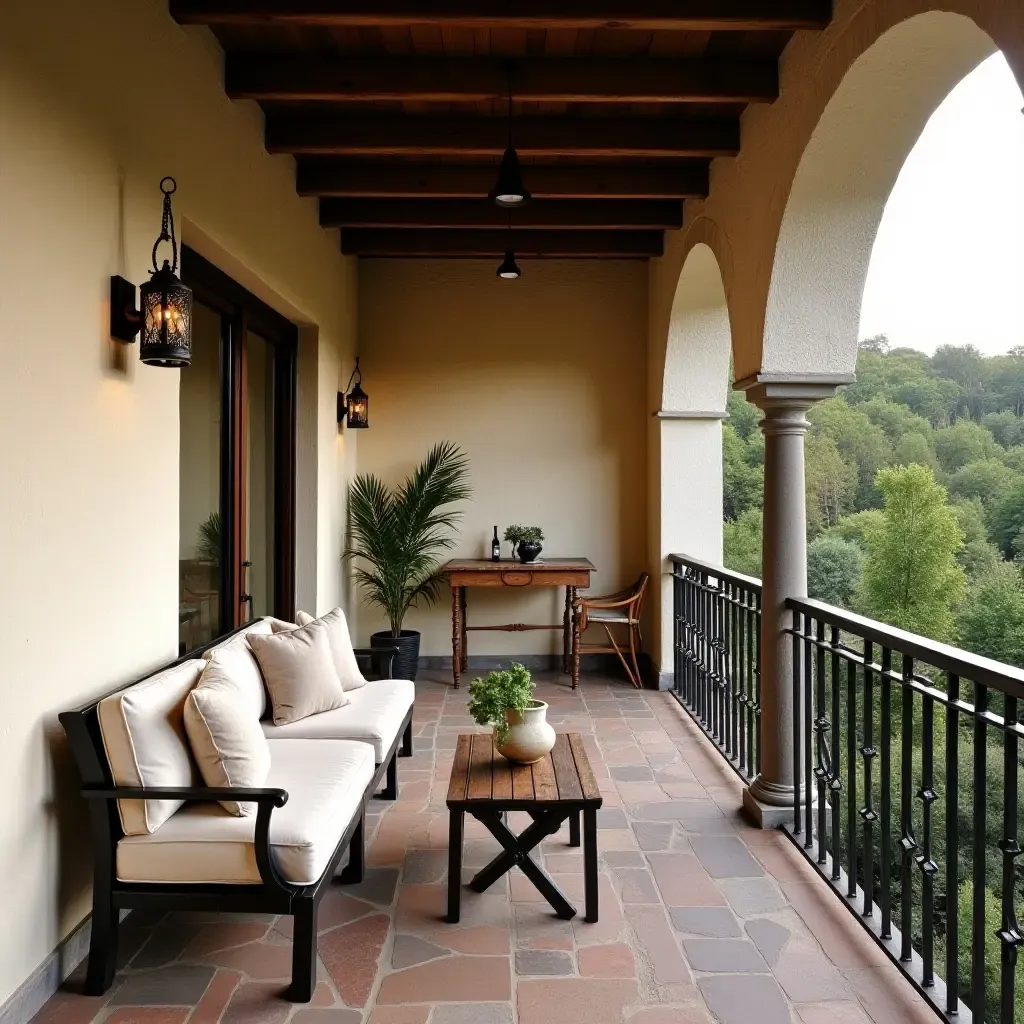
(769, 799)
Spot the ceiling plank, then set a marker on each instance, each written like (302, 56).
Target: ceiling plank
(480, 136)
(327, 177)
(588, 214)
(455, 80)
(468, 243)
(646, 15)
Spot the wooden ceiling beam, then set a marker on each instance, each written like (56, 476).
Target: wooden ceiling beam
(464, 79)
(330, 177)
(487, 136)
(469, 243)
(644, 15)
(587, 214)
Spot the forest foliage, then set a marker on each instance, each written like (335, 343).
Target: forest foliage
(915, 494)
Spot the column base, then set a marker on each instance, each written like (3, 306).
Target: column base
(767, 804)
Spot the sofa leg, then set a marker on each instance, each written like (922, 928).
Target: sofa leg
(303, 951)
(99, 974)
(391, 788)
(407, 741)
(353, 871)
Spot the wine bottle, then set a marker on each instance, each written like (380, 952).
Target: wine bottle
(495, 547)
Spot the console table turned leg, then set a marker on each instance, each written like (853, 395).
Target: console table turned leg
(567, 633)
(465, 632)
(456, 634)
(575, 642)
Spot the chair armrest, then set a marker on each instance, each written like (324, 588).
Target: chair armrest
(599, 602)
(274, 797)
(371, 652)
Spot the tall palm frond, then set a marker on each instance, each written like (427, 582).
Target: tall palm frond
(399, 535)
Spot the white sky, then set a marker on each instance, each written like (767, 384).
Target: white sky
(948, 263)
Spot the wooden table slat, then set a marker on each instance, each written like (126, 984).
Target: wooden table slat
(501, 778)
(480, 767)
(460, 770)
(591, 790)
(564, 764)
(522, 782)
(544, 779)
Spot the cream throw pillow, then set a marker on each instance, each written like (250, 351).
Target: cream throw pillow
(340, 639)
(224, 731)
(299, 672)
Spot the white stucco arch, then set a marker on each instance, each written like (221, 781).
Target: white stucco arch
(843, 181)
(686, 432)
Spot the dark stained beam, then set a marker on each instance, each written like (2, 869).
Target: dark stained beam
(330, 177)
(645, 15)
(329, 134)
(396, 242)
(463, 79)
(591, 214)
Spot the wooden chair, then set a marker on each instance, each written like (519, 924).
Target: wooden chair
(621, 609)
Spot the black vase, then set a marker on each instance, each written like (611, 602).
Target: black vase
(405, 661)
(528, 551)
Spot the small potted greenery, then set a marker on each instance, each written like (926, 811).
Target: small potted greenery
(525, 541)
(504, 700)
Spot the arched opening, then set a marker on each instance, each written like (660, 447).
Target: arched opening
(687, 433)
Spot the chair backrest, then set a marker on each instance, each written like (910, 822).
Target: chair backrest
(639, 592)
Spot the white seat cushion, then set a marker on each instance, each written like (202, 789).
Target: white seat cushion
(143, 730)
(611, 617)
(374, 714)
(325, 783)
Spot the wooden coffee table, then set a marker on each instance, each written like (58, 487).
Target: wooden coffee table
(560, 786)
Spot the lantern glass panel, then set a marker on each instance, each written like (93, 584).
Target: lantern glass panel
(166, 320)
(358, 403)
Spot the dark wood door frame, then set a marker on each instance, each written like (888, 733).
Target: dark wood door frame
(243, 313)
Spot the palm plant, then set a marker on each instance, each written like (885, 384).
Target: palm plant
(398, 535)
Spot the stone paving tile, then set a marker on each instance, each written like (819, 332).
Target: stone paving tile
(685, 883)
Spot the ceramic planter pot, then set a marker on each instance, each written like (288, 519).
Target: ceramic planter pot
(529, 736)
(528, 551)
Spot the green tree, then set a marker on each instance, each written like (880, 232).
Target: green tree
(742, 539)
(743, 415)
(1006, 427)
(895, 419)
(962, 443)
(935, 399)
(742, 483)
(911, 576)
(986, 479)
(1007, 374)
(991, 621)
(978, 556)
(1006, 520)
(914, 448)
(860, 442)
(1014, 458)
(966, 366)
(831, 483)
(855, 527)
(834, 568)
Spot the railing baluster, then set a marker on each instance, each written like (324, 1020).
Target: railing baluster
(978, 854)
(885, 778)
(807, 702)
(798, 627)
(952, 967)
(929, 869)
(835, 783)
(851, 775)
(868, 752)
(755, 728)
(908, 844)
(742, 679)
(1010, 938)
(820, 725)
(734, 680)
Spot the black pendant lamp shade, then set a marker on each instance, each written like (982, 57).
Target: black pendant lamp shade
(509, 269)
(510, 190)
(164, 316)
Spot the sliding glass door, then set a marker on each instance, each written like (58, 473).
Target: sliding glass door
(237, 441)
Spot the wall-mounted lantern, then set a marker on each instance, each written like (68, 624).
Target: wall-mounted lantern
(354, 407)
(164, 316)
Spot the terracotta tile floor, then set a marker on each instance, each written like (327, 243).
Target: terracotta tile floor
(702, 917)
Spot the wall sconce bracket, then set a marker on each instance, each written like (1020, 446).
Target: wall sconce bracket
(125, 318)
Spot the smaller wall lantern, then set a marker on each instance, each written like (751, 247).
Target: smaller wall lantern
(164, 316)
(354, 407)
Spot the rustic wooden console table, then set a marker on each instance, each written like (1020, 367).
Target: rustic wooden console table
(463, 573)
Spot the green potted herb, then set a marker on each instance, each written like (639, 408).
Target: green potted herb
(525, 541)
(504, 700)
(396, 537)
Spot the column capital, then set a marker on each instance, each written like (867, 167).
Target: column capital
(786, 396)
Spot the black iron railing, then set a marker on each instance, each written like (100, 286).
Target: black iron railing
(717, 645)
(906, 758)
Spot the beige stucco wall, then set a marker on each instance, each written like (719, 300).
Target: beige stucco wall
(541, 381)
(97, 102)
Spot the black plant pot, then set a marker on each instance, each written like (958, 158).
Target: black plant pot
(528, 551)
(406, 660)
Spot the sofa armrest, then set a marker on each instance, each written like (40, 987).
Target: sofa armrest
(369, 653)
(265, 799)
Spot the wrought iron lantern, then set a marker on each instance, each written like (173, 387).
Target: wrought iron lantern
(164, 316)
(354, 407)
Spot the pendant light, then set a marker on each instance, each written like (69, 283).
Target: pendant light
(509, 190)
(509, 269)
